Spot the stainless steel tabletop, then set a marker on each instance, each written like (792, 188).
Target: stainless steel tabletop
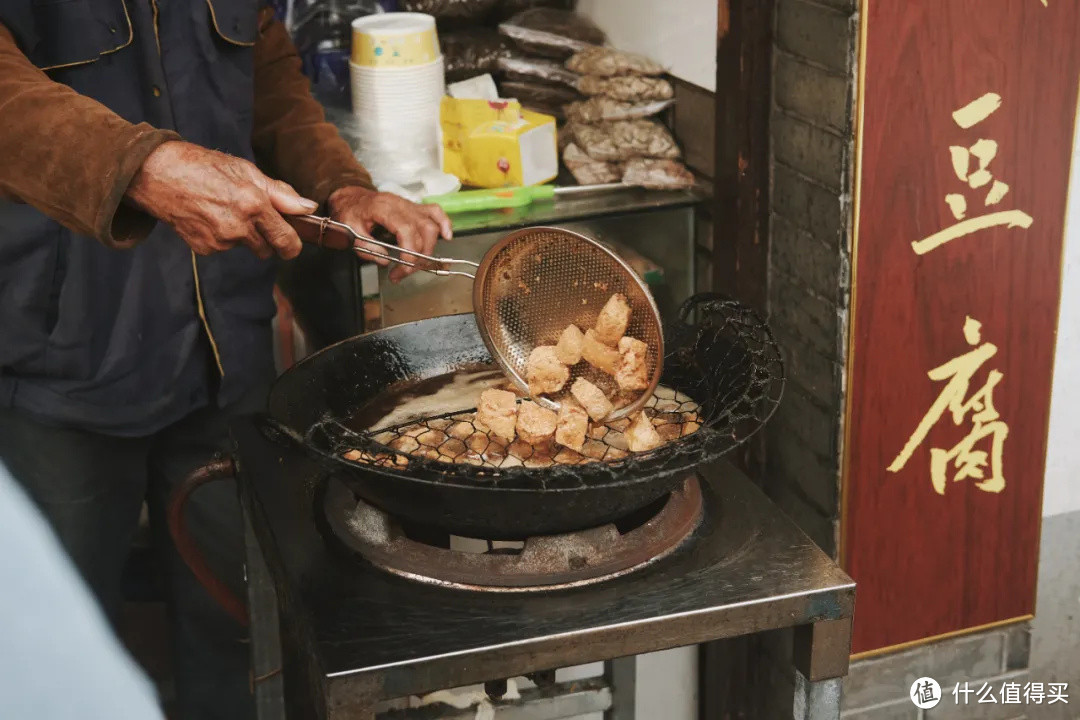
(366, 635)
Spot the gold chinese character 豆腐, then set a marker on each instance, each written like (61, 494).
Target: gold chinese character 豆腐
(986, 424)
(971, 164)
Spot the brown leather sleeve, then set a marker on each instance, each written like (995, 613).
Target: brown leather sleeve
(68, 155)
(292, 138)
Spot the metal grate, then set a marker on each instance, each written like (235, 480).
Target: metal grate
(722, 358)
(459, 438)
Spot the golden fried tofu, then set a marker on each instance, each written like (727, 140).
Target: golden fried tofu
(669, 431)
(632, 373)
(498, 411)
(569, 457)
(591, 398)
(613, 319)
(594, 450)
(462, 430)
(478, 443)
(432, 438)
(599, 355)
(641, 436)
(405, 444)
(544, 372)
(569, 347)
(535, 424)
(453, 449)
(571, 425)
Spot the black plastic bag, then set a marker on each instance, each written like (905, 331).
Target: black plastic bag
(468, 53)
(552, 33)
(450, 9)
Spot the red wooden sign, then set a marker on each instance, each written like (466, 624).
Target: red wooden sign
(967, 114)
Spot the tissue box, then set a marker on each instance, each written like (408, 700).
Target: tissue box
(494, 143)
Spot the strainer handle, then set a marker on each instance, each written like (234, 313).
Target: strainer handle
(327, 233)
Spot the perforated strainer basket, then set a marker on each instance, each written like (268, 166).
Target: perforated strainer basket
(535, 282)
(528, 288)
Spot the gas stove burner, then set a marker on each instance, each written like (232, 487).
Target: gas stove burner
(548, 562)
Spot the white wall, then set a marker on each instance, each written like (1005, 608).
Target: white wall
(1062, 491)
(680, 34)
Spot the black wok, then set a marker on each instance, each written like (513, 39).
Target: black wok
(727, 362)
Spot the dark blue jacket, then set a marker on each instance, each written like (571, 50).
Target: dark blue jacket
(110, 339)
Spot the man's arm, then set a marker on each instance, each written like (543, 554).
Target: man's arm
(67, 155)
(292, 137)
(83, 165)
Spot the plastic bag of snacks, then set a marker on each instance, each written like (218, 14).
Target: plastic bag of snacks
(627, 88)
(541, 97)
(626, 139)
(457, 9)
(608, 62)
(552, 33)
(467, 53)
(657, 174)
(533, 69)
(603, 109)
(588, 171)
(509, 8)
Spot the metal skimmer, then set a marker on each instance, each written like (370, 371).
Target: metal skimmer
(527, 289)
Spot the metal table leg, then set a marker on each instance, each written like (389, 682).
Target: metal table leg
(266, 660)
(821, 654)
(621, 676)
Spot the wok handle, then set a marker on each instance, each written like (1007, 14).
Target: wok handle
(218, 469)
(282, 435)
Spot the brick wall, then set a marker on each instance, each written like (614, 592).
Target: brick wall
(812, 156)
(877, 689)
(809, 264)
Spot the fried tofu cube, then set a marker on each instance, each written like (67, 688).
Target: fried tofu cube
(571, 425)
(498, 411)
(632, 373)
(591, 398)
(599, 355)
(569, 347)
(461, 430)
(641, 436)
(669, 431)
(405, 444)
(594, 450)
(544, 372)
(613, 319)
(535, 424)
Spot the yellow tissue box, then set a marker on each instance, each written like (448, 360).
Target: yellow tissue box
(494, 143)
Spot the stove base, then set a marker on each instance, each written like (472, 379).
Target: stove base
(542, 563)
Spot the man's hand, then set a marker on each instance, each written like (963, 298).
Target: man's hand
(216, 201)
(416, 227)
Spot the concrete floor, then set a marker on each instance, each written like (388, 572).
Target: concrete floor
(1055, 634)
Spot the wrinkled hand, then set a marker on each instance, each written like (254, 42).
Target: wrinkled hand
(416, 227)
(216, 201)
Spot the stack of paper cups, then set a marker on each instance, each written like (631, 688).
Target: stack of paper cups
(397, 84)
